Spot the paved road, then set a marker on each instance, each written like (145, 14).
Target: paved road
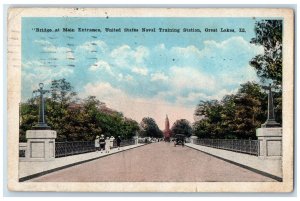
(155, 162)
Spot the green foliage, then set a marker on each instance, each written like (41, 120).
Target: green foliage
(268, 33)
(202, 129)
(75, 119)
(29, 112)
(130, 128)
(149, 128)
(182, 126)
(235, 116)
(58, 114)
(268, 65)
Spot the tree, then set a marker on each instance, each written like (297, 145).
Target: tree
(201, 129)
(89, 122)
(62, 91)
(210, 111)
(149, 128)
(235, 116)
(268, 33)
(29, 112)
(251, 105)
(182, 126)
(129, 128)
(58, 113)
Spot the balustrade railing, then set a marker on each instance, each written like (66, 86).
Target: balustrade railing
(236, 145)
(124, 143)
(72, 148)
(63, 149)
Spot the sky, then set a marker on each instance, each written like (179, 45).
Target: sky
(141, 74)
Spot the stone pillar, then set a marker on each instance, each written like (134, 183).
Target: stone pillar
(193, 138)
(40, 145)
(270, 142)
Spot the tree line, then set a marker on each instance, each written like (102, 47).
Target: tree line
(236, 116)
(75, 119)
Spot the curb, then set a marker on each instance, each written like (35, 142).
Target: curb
(241, 165)
(22, 179)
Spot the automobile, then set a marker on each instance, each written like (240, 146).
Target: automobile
(179, 139)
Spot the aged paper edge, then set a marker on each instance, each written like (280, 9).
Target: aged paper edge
(14, 97)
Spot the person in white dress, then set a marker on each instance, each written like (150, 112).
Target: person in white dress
(107, 145)
(112, 138)
(97, 143)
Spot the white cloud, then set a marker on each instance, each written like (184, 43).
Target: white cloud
(187, 51)
(140, 70)
(232, 47)
(34, 72)
(103, 89)
(160, 47)
(245, 73)
(196, 96)
(240, 41)
(127, 78)
(120, 55)
(155, 107)
(93, 45)
(101, 65)
(41, 71)
(27, 65)
(235, 49)
(57, 52)
(140, 54)
(125, 57)
(43, 42)
(183, 78)
(191, 97)
(158, 76)
(122, 51)
(212, 71)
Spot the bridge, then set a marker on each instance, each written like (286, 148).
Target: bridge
(157, 161)
(215, 160)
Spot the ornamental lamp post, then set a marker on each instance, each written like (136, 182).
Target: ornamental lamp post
(40, 140)
(41, 125)
(270, 122)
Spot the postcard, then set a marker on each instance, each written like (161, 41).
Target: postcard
(150, 99)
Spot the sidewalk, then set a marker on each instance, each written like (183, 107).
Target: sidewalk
(268, 167)
(29, 170)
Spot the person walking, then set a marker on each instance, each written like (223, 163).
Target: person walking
(97, 143)
(107, 145)
(118, 142)
(102, 143)
(112, 138)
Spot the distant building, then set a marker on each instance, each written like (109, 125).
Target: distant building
(167, 131)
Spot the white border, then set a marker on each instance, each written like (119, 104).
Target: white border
(248, 3)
